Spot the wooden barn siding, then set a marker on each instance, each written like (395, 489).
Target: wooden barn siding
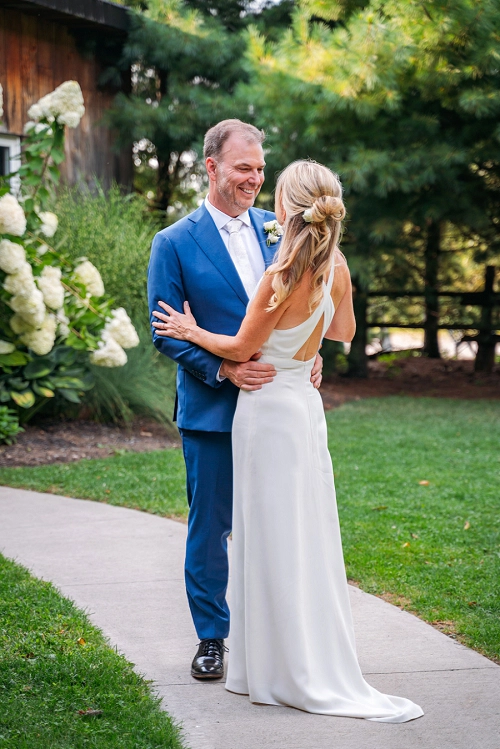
(37, 55)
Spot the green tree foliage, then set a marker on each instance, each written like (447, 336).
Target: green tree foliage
(270, 16)
(186, 59)
(402, 99)
(184, 69)
(231, 13)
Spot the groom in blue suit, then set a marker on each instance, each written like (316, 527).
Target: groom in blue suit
(213, 258)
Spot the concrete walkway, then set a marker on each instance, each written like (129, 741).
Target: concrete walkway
(125, 568)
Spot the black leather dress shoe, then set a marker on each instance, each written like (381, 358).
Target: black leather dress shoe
(208, 662)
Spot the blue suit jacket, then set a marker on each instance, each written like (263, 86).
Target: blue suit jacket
(189, 261)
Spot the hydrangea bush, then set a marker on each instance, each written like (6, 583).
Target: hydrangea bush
(55, 318)
(9, 425)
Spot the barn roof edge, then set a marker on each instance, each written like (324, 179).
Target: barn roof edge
(103, 13)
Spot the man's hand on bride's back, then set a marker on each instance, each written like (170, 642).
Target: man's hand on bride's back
(250, 375)
(317, 371)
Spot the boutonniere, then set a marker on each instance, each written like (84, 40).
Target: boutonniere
(274, 232)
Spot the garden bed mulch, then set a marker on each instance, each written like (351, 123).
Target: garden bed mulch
(62, 442)
(416, 377)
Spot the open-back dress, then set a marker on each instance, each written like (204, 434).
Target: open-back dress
(292, 637)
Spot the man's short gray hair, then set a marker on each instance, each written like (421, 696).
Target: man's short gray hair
(218, 134)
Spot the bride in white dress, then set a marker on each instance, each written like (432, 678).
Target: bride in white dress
(292, 638)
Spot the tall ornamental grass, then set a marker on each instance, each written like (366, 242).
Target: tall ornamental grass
(115, 231)
(145, 386)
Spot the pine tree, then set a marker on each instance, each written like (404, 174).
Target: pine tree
(186, 57)
(184, 70)
(402, 99)
(231, 13)
(269, 16)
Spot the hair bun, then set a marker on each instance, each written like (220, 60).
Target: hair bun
(325, 207)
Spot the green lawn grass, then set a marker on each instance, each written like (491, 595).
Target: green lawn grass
(435, 549)
(55, 667)
(153, 481)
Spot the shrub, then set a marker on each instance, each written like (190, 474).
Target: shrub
(50, 304)
(62, 375)
(115, 232)
(9, 425)
(60, 338)
(144, 386)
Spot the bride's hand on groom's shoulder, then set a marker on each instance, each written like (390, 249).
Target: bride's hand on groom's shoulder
(174, 324)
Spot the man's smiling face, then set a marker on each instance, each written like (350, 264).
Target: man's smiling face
(236, 175)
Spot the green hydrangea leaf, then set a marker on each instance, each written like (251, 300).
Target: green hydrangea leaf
(70, 395)
(43, 391)
(25, 399)
(38, 368)
(15, 359)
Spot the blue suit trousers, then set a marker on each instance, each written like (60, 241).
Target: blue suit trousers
(209, 469)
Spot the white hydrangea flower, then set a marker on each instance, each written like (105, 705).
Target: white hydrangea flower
(120, 327)
(109, 354)
(50, 223)
(31, 309)
(42, 339)
(19, 325)
(22, 283)
(12, 256)
(63, 329)
(49, 283)
(12, 218)
(87, 274)
(65, 104)
(6, 347)
(38, 127)
(42, 249)
(42, 109)
(36, 111)
(71, 119)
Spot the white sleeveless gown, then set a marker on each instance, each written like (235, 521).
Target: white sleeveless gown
(292, 638)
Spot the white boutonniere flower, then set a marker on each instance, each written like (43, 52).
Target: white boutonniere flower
(274, 232)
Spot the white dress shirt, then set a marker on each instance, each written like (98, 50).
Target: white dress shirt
(247, 234)
(250, 242)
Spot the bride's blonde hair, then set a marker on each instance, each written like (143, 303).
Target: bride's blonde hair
(311, 197)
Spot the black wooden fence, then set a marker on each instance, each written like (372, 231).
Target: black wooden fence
(487, 333)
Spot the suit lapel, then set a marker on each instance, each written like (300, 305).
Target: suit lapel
(207, 236)
(258, 218)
